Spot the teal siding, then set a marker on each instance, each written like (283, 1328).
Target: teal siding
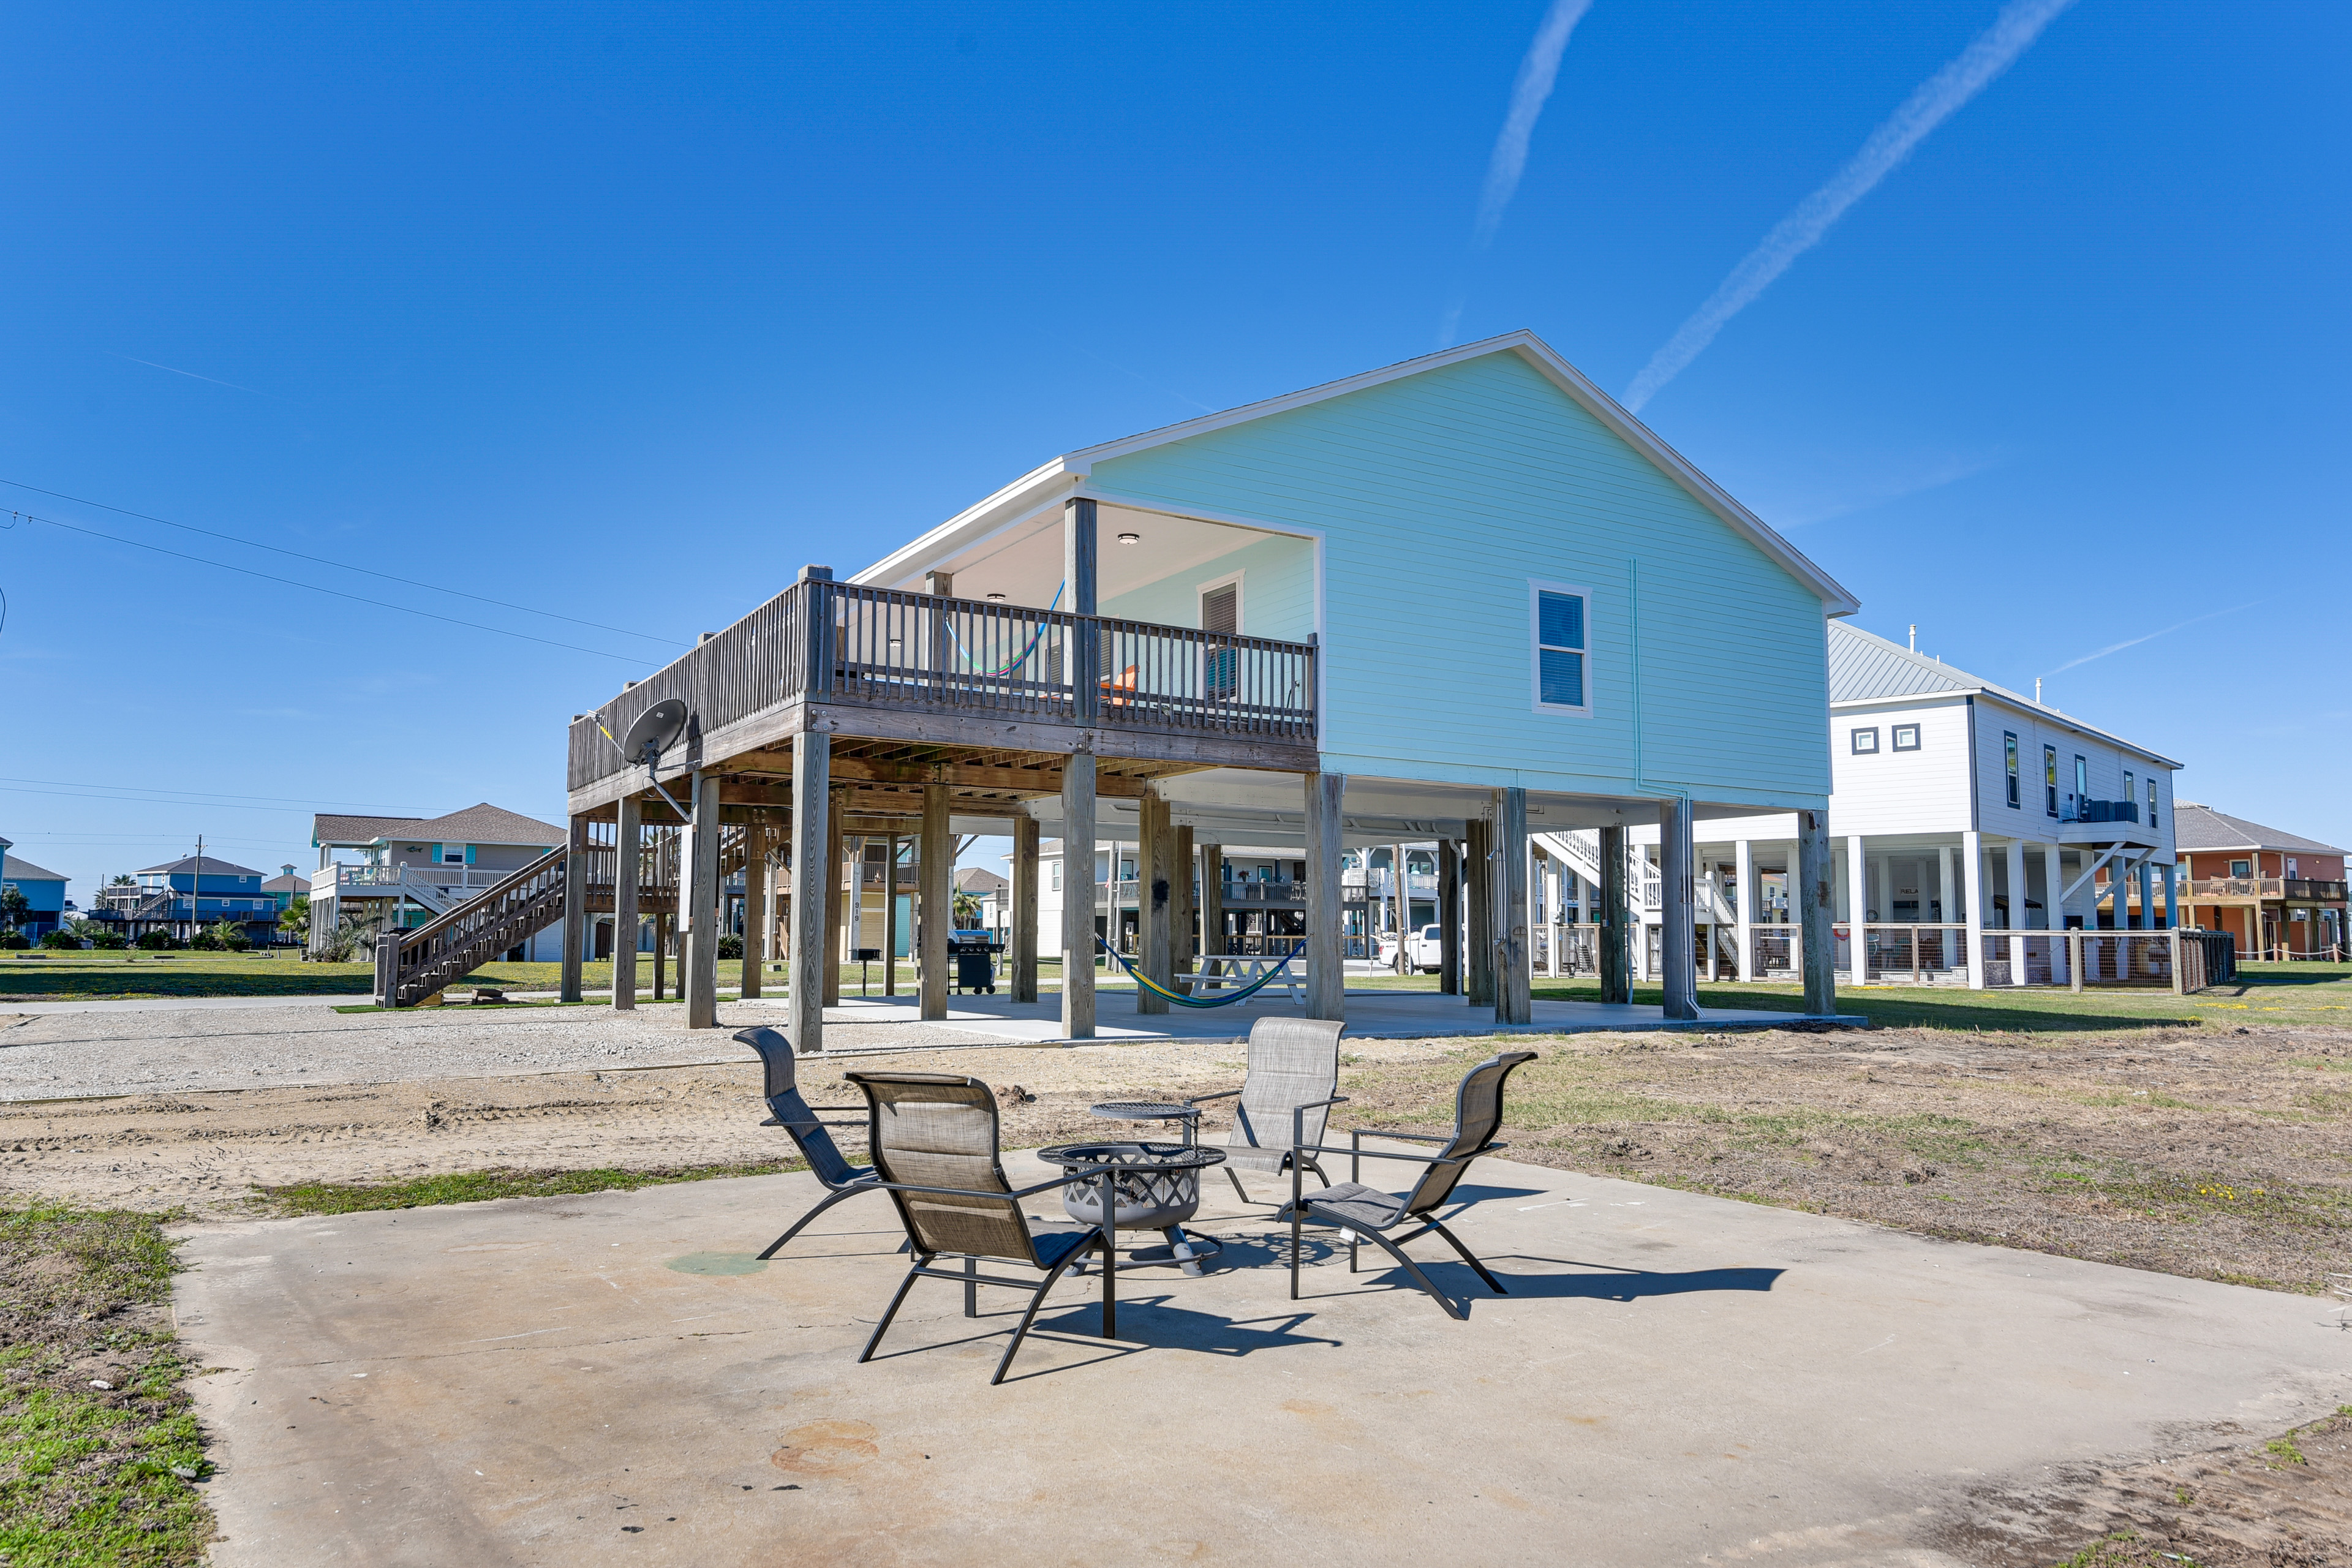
(1277, 590)
(1439, 496)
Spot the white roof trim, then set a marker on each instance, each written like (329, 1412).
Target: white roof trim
(1049, 481)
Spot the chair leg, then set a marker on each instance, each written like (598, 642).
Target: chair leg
(1035, 1302)
(879, 1329)
(1492, 1283)
(1393, 1250)
(1239, 1191)
(801, 1224)
(972, 1286)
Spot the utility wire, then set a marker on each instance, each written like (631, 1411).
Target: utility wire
(323, 560)
(338, 593)
(210, 794)
(144, 800)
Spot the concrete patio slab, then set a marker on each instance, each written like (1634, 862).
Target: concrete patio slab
(1672, 1379)
(1371, 1015)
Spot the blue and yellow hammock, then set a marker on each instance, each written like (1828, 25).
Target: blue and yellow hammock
(1243, 994)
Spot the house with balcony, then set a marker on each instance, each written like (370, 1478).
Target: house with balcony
(1964, 818)
(1196, 628)
(2281, 895)
(181, 896)
(410, 869)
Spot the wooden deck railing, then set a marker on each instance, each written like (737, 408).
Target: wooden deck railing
(849, 646)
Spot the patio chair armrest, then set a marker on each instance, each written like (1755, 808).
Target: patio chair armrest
(1387, 1154)
(1014, 1196)
(1354, 1132)
(778, 1121)
(1205, 1098)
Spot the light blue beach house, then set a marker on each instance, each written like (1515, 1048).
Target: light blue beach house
(1458, 599)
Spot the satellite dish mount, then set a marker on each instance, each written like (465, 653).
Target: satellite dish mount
(650, 735)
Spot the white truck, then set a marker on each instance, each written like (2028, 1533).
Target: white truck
(1425, 949)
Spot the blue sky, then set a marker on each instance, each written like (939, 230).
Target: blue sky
(626, 312)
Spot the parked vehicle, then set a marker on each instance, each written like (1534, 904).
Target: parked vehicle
(1426, 955)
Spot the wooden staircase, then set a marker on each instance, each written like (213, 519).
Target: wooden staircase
(412, 965)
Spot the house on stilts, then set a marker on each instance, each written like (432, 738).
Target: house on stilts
(1459, 600)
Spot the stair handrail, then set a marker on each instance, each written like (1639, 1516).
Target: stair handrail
(483, 908)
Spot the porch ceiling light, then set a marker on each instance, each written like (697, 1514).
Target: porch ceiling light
(996, 595)
(1130, 539)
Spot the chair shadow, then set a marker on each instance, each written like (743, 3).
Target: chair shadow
(1612, 1284)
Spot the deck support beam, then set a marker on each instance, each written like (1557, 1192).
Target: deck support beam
(1078, 896)
(812, 833)
(830, 982)
(755, 902)
(937, 914)
(1024, 908)
(628, 860)
(1213, 899)
(1478, 987)
(1972, 884)
(1675, 910)
(1327, 982)
(1155, 844)
(1616, 920)
(1813, 890)
(1513, 954)
(1180, 905)
(575, 912)
(701, 980)
(1449, 918)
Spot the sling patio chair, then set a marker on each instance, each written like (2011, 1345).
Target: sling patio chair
(798, 1117)
(1364, 1211)
(935, 1150)
(1294, 1064)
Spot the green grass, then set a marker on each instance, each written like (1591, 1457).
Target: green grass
(481, 1187)
(93, 1475)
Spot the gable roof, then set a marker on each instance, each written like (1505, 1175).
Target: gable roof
(980, 879)
(190, 866)
(1867, 667)
(2196, 826)
(18, 868)
(292, 882)
(482, 823)
(1056, 481)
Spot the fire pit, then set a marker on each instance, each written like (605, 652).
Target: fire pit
(1154, 1186)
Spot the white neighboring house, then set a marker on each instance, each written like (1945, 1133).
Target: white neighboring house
(414, 867)
(1956, 807)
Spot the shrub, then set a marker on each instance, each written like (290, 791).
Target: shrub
(109, 940)
(730, 946)
(14, 941)
(156, 940)
(61, 941)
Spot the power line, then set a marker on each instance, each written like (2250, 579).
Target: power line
(323, 560)
(144, 800)
(211, 794)
(337, 593)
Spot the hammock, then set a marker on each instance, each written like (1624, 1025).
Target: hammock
(1018, 659)
(1243, 994)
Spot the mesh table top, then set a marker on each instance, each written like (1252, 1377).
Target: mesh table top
(1144, 1156)
(1143, 1110)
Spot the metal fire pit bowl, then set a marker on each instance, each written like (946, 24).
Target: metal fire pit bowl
(1155, 1186)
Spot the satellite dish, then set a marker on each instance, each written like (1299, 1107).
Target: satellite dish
(651, 733)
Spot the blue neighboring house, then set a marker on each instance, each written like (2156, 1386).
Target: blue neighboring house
(218, 889)
(44, 891)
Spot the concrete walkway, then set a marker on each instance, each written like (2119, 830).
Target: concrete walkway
(1672, 1379)
(1371, 1015)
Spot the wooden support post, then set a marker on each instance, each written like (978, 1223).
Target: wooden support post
(1154, 843)
(830, 981)
(1513, 1003)
(1677, 916)
(890, 916)
(1402, 912)
(1024, 908)
(2053, 912)
(575, 908)
(1743, 889)
(661, 956)
(1213, 899)
(935, 910)
(1084, 635)
(700, 982)
(1327, 980)
(1617, 924)
(1972, 881)
(755, 902)
(1449, 918)
(2074, 961)
(1478, 955)
(1078, 894)
(811, 868)
(1181, 901)
(1813, 890)
(628, 856)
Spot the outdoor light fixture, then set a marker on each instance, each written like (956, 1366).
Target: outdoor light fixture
(996, 595)
(1130, 539)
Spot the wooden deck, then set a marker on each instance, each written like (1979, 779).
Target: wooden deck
(915, 689)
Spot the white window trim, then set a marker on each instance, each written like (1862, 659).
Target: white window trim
(1535, 648)
(1241, 608)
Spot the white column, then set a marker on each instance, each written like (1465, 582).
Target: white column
(2055, 914)
(1972, 875)
(1857, 907)
(1743, 870)
(2017, 920)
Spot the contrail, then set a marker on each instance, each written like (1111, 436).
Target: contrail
(1509, 160)
(1936, 99)
(2151, 636)
(192, 375)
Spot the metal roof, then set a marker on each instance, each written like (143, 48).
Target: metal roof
(482, 823)
(2196, 826)
(189, 866)
(18, 867)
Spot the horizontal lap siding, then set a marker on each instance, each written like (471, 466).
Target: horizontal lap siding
(1926, 791)
(1439, 496)
(1278, 591)
(2107, 761)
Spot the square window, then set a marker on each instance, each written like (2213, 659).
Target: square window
(1866, 743)
(1559, 614)
(1906, 737)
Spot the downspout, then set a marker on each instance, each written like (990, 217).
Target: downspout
(1633, 624)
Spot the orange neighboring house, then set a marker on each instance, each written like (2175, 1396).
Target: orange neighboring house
(2281, 896)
